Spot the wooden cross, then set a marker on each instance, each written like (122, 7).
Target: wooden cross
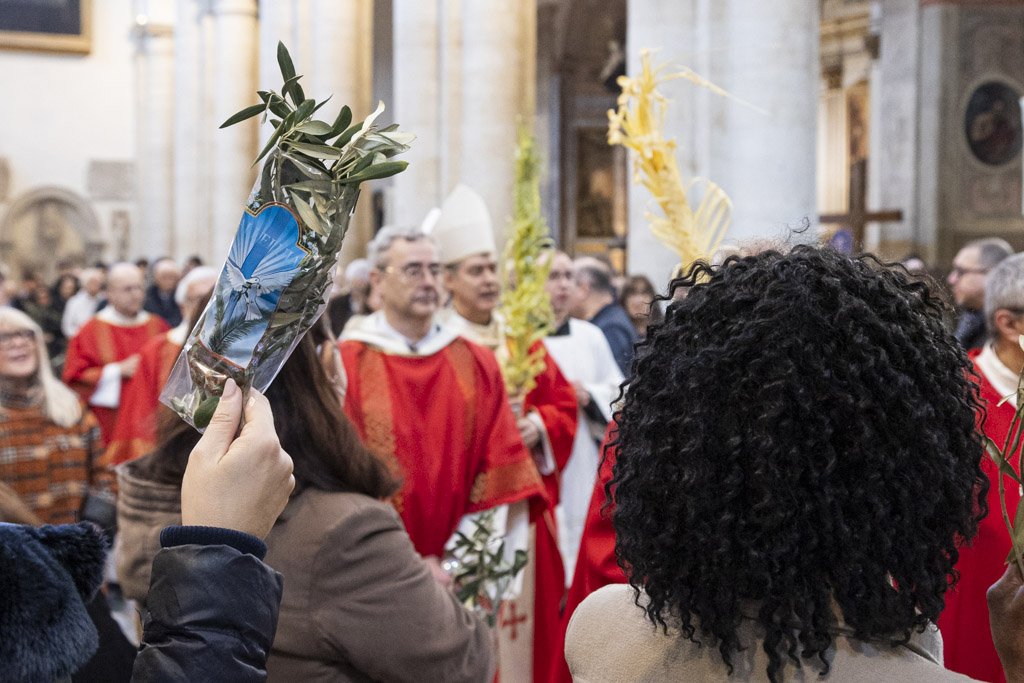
(511, 620)
(858, 216)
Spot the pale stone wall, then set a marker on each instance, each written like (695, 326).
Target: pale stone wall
(64, 111)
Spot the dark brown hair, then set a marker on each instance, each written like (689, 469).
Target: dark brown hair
(313, 429)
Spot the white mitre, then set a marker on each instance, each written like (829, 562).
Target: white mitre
(464, 226)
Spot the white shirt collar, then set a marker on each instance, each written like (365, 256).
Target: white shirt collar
(109, 315)
(1003, 379)
(375, 331)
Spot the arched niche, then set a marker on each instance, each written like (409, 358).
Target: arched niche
(48, 226)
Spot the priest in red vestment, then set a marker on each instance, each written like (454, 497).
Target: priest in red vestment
(135, 429)
(966, 638)
(429, 402)
(105, 352)
(546, 422)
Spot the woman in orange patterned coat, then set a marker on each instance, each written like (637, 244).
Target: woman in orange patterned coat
(49, 444)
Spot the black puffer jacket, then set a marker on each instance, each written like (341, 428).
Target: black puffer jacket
(212, 609)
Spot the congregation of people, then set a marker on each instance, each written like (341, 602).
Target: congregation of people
(771, 468)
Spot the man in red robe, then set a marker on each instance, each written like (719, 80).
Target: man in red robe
(967, 640)
(546, 418)
(105, 352)
(430, 403)
(135, 429)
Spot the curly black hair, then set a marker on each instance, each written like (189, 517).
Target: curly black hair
(799, 430)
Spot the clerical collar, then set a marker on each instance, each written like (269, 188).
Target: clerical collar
(1003, 379)
(109, 315)
(563, 330)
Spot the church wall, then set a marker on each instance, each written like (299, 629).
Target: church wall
(66, 111)
(972, 155)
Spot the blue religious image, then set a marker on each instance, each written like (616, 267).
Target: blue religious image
(263, 261)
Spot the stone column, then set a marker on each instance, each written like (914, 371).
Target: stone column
(763, 53)
(191, 219)
(417, 91)
(234, 70)
(152, 233)
(342, 41)
(498, 71)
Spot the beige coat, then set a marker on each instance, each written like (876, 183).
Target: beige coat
(144, 508)
(610, 640)
(359, 604)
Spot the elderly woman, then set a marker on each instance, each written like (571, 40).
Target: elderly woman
(801, 513)
(50, 444)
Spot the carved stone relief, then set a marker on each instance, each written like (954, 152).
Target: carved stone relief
(49, 226)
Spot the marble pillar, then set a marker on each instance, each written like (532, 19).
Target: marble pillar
(191, 200)
(894, 161)
(153, 233)
(417, 92)
(767, 55)
(498, 90)
(341, 40)
(234, 70)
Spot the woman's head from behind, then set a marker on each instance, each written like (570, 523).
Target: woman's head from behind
(800, 430)
(324, 446)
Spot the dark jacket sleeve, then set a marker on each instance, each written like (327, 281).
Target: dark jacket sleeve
(212, 615)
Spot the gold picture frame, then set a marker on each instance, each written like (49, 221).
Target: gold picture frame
(71, 22)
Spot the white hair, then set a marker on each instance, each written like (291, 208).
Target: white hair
(88, 274)
(60, 403)
(1004, 289)
(358, 270)
(194, 275)
(380, 244)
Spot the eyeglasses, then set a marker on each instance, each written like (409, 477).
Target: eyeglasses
(8, 339)
(412, 272)
(960, 272)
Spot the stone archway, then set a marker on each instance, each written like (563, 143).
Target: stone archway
(47, 226)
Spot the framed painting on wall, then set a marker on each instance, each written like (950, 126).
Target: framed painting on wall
(46, 25)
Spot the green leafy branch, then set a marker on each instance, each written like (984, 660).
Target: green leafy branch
(525, 305)
(314, 167)
(1001, 457)
(483, 574)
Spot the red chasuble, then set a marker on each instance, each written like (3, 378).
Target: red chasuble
(97, 344)
(135, 430)
(442, 422)
(966, 639)
(596, 566)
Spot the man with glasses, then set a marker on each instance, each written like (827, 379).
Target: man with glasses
(967, 283)
(546, 418)
(967, 642)
(429, 402)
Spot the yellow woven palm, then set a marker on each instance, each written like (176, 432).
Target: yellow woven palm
(638, 124)
(525, 304)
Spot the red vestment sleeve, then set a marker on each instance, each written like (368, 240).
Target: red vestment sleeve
(82, 368)
(554, 399)
(507, 472)
(135, 428)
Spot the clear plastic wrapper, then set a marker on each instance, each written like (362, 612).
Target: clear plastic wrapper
(278, 274)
